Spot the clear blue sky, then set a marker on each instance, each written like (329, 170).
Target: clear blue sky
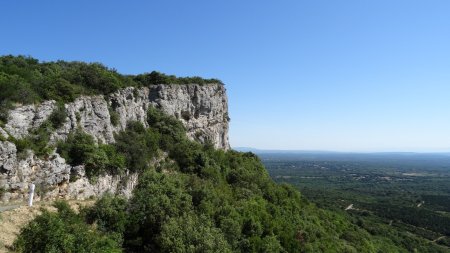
(316, 75)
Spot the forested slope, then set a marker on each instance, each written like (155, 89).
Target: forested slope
(190, 197)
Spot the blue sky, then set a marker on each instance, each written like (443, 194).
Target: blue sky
(311, 75)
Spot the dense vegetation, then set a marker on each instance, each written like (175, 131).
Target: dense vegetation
(197, 199)
(25, 80)
(405, 197)
(190, 197)
(63, 231)
(81, 149)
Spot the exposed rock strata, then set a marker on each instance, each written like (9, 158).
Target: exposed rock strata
(24, 118)
(202, 109)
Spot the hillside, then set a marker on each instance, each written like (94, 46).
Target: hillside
(153, 150)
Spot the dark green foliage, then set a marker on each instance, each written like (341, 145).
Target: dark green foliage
(78, 148)
(138, 145)
(110, 214)
(64, 231)
(81, 149)
(16, 89)
(219, 201)
(192, 233)
(445, 241)
(25, 80)
(114, 117)
(428, 219)
(148, 214)
(59, 89)
(207, 200)
(96, 77)
(171, 130)
(199, 200)
(159, 78)
(398, 198)
(5, 106)
(58, 116)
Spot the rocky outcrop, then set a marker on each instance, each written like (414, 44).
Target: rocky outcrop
(82, 188)
(91, 114)
(24, 118)
(16, 175)
(203, 110)
(54, 178)
(8, 158)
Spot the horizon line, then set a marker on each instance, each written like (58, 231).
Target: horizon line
(439, 151)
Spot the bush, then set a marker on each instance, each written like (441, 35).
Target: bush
(58, 116)
(114, 117)
(192, 233)
(159, 78)
(80, 149)
(5, 106)
(211, 200)
(16, 89)
(138, 145)
(25, 80)
(109, 213)
(59, 89)
(63, 231)
(156, 198)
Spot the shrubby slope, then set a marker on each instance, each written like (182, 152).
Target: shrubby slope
(199, 200)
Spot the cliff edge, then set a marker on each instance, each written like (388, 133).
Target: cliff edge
(203, 110)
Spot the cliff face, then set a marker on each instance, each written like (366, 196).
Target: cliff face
(203, 110)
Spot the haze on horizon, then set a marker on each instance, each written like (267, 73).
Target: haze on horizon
(301, 75)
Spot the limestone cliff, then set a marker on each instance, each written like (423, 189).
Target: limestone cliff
(203, 110)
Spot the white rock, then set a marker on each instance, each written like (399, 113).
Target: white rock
(24, 118)
(203, 110)
(3, 133)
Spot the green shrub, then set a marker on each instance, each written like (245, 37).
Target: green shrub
(192, 233)
(138, 145)
(114, 117)
(209, 201)
(159, 78)
(80, 149)
(63, 231)
(109, 213)
(105, 160)
(58, 116)
(25, 80)
(5, 106)
(59, 89)
(16, 89)
(148, 214)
